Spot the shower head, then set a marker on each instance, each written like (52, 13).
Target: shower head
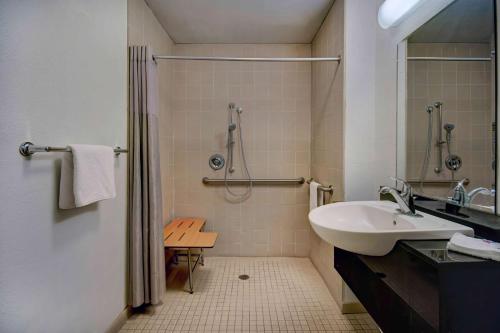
(449, 127)
(429, 109)
(232, 127)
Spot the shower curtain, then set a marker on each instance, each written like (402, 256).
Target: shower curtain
(146, 253)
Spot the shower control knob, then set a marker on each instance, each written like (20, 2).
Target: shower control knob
(453, 162)
(216, 161)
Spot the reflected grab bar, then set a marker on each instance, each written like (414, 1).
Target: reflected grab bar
(437, 181)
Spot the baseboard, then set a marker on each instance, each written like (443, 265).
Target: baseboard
(355, 307)
(120, 320)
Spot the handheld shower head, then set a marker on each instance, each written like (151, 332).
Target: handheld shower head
(429, 109)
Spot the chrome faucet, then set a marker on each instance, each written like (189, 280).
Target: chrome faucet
(463, 198)
(403, 198)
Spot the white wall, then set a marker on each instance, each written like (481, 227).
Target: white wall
(62, 80)
(359, 92)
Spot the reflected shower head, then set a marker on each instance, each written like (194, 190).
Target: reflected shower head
(449, 127)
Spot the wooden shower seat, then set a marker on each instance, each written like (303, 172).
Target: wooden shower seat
(185, 233)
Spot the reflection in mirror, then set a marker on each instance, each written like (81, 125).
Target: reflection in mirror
(450, 106)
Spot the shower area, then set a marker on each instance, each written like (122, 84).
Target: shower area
(451, 117)
(239, 140)
(243, 120)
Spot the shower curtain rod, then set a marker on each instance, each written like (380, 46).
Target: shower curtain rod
(337, 59)
(448, 59)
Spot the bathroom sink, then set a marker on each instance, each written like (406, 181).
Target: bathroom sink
(374, 227)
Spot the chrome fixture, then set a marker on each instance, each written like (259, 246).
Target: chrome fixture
(231, 128)
(439, 142)
(216, 161)
(453, 162)
(337, 59)
(27, 149)
(404, 198)
(257, 181)
(463, 198)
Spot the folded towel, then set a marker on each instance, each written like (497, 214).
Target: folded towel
(481, 248)
(314, 196)
(87, 176)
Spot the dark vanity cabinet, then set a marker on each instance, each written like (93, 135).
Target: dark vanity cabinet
(421, 287)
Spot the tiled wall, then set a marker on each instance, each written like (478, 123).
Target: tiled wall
(466, 92)
(276, 99)
(327, 132)
(144, 29)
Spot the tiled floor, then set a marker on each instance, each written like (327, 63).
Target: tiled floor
(282, 295)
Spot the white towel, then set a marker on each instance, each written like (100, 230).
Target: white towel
(314, 196)
(481, 248)
(87, 176)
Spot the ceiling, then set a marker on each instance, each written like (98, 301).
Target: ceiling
(241, 21)
(464, 21)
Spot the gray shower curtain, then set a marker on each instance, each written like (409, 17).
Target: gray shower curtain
(146, 256)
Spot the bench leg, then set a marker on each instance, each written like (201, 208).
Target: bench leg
(202, 259)
(190, 271)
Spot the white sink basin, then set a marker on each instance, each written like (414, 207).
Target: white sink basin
(374, 227)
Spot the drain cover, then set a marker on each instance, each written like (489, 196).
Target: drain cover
(243, 277)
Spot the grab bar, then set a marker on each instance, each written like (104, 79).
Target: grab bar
(328, 189)
(272, 181)
(437, 181)
(28, 148)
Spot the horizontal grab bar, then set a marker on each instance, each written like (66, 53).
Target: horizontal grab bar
(27, 149)
(449, 59)
(271, 181)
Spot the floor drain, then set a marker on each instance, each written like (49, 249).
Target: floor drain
(243, 277)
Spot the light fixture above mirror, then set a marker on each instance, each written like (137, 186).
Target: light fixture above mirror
(393, 12)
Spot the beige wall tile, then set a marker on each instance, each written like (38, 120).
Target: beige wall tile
(326, 131)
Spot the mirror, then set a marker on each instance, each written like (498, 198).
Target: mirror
(447, 106)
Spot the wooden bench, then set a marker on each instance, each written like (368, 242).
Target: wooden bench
(185, 233)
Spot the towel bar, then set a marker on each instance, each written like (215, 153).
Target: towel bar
(328, 189)
(28, 148)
